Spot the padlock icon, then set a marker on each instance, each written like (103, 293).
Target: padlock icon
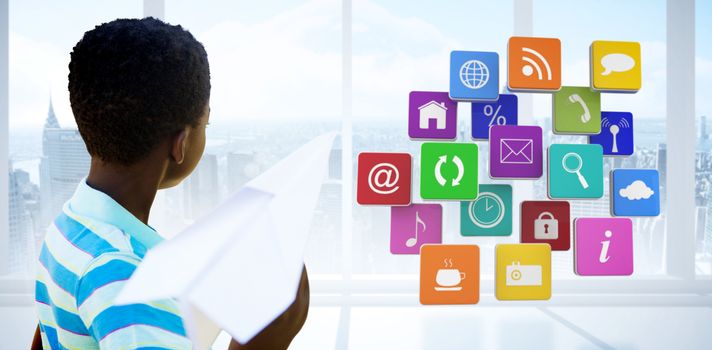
(546, 228)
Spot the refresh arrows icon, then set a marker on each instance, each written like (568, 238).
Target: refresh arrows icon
(438, 170)
(438, 174)
(448, 171)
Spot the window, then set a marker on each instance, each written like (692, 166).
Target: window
(276, 80)
(610, 20)
(47, 156)
(703, 115)
(401, 47)
(286, 71)
(389, 62)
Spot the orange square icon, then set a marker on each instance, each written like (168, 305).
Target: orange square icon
(534, 64)
(449, 274)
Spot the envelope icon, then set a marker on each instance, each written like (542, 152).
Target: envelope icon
(516, 151)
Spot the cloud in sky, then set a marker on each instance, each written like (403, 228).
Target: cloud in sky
(286, 66)
(36, 68)
(289, 65)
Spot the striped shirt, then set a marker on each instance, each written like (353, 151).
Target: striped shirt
(90, 251)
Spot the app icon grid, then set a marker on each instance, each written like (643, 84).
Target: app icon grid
(523, 270)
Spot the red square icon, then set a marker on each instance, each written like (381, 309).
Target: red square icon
(547, 222)
(383, 178)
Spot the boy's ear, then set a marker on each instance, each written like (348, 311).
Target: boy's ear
(179, 144)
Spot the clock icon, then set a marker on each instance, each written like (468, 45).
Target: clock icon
(487, 210)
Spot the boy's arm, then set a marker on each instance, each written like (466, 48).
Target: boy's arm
(279, 333)
(37, 340)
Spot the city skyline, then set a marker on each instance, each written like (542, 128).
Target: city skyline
(229, 162)
(235, 155)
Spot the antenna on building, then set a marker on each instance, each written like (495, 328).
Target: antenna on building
(51, 121)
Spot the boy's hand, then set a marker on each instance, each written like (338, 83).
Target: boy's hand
(279, 333)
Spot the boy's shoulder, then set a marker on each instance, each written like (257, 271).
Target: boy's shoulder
(95, 237)
(85, 244)
(82, 254)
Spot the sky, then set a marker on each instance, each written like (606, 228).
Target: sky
(282, 59)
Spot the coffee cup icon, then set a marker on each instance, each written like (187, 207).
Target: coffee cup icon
(449, 280)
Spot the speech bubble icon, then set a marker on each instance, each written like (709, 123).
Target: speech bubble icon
(617, 62)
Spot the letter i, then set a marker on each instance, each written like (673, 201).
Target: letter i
(604, 250)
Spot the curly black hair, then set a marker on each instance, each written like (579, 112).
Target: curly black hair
(134, 82)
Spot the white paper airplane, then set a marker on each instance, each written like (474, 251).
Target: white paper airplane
(238, 268)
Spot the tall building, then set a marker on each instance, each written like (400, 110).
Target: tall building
(704, 135)
(324, 248)
(708, 227)
(662, 169)
(64, 162)
(201, 191)
(323, 252)
(700, 227)
(335, 160)
(21, 237)
(240, 169)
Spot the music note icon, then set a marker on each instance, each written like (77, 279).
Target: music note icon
(413, 240)
(415, 225)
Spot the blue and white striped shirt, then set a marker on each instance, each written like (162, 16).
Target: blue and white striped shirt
(89, 252)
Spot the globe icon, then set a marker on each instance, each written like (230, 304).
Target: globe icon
(474, 74)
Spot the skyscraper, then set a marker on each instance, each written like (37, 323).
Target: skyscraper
(335, 160)
(240, 169)
(201, 191)
(662, 169)
(22, 243)
(704, 135)
(324, 248)
(65, 161)
(708, 227)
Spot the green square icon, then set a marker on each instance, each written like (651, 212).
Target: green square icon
(577, 110)
(575, 171)
(488, 215)
(448, 171)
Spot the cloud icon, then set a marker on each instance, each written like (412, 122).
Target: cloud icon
(635, 191)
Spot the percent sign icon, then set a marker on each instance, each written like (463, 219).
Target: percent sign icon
(494, 114)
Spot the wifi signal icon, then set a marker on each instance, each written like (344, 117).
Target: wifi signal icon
(534, 64)
(616, 137)
(614, 129)
(532, 59)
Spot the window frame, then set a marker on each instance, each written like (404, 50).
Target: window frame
(679, 286)
(4, 133)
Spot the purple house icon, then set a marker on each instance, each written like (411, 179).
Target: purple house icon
(431, 116)
(433, 110)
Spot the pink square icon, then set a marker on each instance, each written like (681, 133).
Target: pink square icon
(415, 225)
(603, 246)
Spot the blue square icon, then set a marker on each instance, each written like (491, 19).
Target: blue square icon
(636, 192)
(500, 112)
(474, 75)
(616, 135)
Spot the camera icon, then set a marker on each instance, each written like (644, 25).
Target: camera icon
(523, 275)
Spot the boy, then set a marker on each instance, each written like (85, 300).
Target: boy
(139, 90)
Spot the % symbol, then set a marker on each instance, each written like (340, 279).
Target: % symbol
(494, 114)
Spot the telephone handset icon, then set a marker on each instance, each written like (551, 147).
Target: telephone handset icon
(586, 116)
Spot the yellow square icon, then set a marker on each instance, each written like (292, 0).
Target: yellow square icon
(615, 66)
(523, 271)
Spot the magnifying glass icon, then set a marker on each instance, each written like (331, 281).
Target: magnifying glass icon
(576, 170)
